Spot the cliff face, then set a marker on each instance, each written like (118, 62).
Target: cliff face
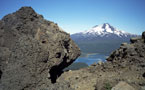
(33, 51)
(125, 68)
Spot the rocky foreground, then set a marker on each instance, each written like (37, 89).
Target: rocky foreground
(124, 70)
(34, 51)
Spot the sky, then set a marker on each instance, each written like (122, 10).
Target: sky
(78, 15)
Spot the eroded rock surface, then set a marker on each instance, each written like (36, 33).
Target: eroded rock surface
(33, 51)
(126, 64)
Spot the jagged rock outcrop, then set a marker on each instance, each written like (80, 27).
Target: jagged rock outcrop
(126, 64)
(133, 53)
(33, 51)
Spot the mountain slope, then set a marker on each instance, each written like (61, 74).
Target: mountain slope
(102, 39)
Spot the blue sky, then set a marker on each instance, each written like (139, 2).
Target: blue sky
(79, 15)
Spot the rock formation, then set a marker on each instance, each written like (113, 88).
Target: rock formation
(126, 64)
(33, 51)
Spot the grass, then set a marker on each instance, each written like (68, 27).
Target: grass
(107, 86)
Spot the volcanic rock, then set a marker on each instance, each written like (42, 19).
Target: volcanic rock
(33, 51)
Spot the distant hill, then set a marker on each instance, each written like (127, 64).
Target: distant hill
(101, 39)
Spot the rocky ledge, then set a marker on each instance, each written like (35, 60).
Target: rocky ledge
(33, 51)
(123, 70)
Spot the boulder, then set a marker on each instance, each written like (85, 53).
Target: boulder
(123, 86)
(135, 39)
(33, 51)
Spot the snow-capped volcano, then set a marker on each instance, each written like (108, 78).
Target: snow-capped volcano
(104, 30)
(101, 39)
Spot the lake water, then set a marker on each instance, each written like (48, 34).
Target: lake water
(92, 58)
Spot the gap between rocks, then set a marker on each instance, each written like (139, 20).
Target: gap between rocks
(57, 70)
(0, 74)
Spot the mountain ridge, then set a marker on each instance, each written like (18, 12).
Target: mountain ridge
(103, 38)
(105, 31)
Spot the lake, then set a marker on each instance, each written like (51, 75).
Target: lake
(92, 58)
